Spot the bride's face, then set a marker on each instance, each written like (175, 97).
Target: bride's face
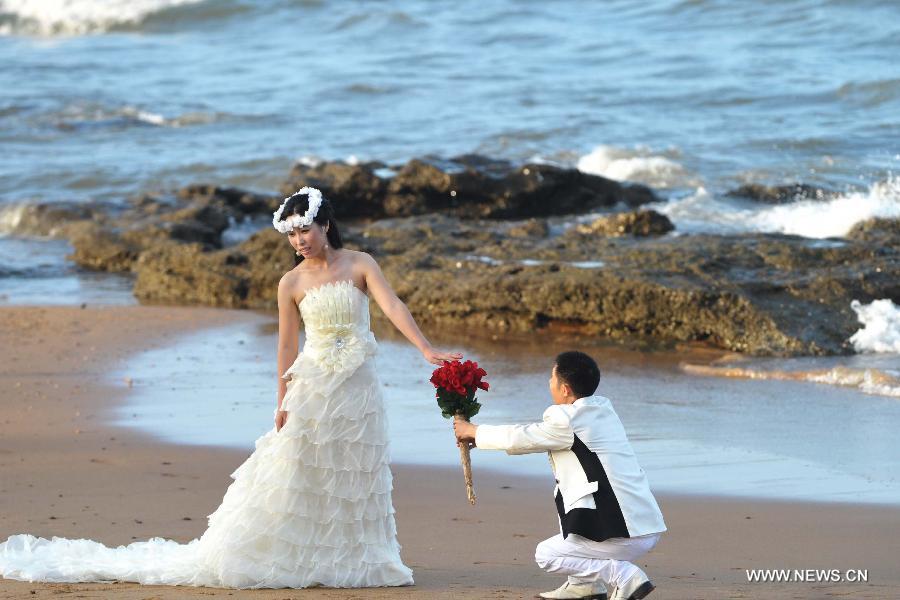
(308, 241)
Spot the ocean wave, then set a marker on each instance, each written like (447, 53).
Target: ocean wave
(703, 212)
(878, 382)
(12, 218)
(41, 219)
(80, 115)
(633, 165)
(881, 326)
(870, 93)
(379, 19)
(78, 17)
(368, 89)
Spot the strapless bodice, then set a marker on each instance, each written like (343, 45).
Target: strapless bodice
(336, 322)
(334, 304)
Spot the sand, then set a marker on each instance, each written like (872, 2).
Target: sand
(64, 470)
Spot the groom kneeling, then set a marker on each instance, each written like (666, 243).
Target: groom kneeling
(607, 514)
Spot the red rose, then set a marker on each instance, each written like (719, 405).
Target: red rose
(461, 378)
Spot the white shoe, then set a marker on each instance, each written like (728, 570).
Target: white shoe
(634, 589)
(576, 591)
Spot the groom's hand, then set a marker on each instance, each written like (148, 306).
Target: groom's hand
(465, 431)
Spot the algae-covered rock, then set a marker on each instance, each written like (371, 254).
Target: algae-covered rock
(640, 223)
(780, 194)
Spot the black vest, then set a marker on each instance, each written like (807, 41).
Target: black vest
(599, 524)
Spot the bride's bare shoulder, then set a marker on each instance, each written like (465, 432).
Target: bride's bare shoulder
(290, 282)
(289, 278)
(359, 257)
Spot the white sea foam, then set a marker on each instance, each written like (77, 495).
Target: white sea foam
(150, 117)
(633, 165)
(11, 216)
(533, 262)
(313, 161)
(75, 17)
(881, 326)
(877, 382)
(703, 212)
(869, 381)
(81, 114)
(309, 160)
(385, 172)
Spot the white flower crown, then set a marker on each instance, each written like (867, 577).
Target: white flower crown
(315, 201)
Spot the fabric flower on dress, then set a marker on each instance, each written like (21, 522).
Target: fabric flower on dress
(337, 347)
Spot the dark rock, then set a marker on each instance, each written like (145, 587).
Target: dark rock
(103, 250)
(213, 217)
(641, 223)
(184, 274)
(780, 194)
(455, 264)
(768, 295)
(149, 205)
(246, 276)
(759, 294)
(201, 222)
(877, 229)
(239, 202)
(116, 248)
(529, 191)
(354, 190)
(529, 228)
(418, 188)
(192, 232)
(154, 221)
(468, 186)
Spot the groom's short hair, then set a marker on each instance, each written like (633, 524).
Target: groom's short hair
(580, 371)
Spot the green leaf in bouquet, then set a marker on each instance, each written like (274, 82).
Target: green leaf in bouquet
(452, 404)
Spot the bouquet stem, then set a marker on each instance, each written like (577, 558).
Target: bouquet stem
(466, 461)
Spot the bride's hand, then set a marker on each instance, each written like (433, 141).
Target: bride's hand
(280, 419)
(438, 357)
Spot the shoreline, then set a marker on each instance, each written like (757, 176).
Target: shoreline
(118, 484)
(679, 423)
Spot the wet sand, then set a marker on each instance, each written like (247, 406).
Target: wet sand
(66, 472)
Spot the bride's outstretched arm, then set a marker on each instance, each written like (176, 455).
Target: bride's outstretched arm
(395, 310)
(288, 336)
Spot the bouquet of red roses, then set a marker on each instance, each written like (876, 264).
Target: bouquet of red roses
(456, 385)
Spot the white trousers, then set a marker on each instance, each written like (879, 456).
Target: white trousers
(587, 561)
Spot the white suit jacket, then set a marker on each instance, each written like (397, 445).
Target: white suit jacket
(601, 490)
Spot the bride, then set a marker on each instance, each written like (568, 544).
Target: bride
(311, 506)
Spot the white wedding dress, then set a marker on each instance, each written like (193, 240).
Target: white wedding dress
(311, 506)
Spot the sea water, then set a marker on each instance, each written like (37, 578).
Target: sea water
(761, 438)
(102, 100)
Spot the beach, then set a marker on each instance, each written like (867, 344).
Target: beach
(704, 197)
(67, 471)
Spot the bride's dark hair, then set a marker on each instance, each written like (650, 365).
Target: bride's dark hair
(298, 204)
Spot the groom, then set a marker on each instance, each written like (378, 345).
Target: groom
(607, 515)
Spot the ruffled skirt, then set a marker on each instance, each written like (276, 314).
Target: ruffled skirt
(311, 506)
